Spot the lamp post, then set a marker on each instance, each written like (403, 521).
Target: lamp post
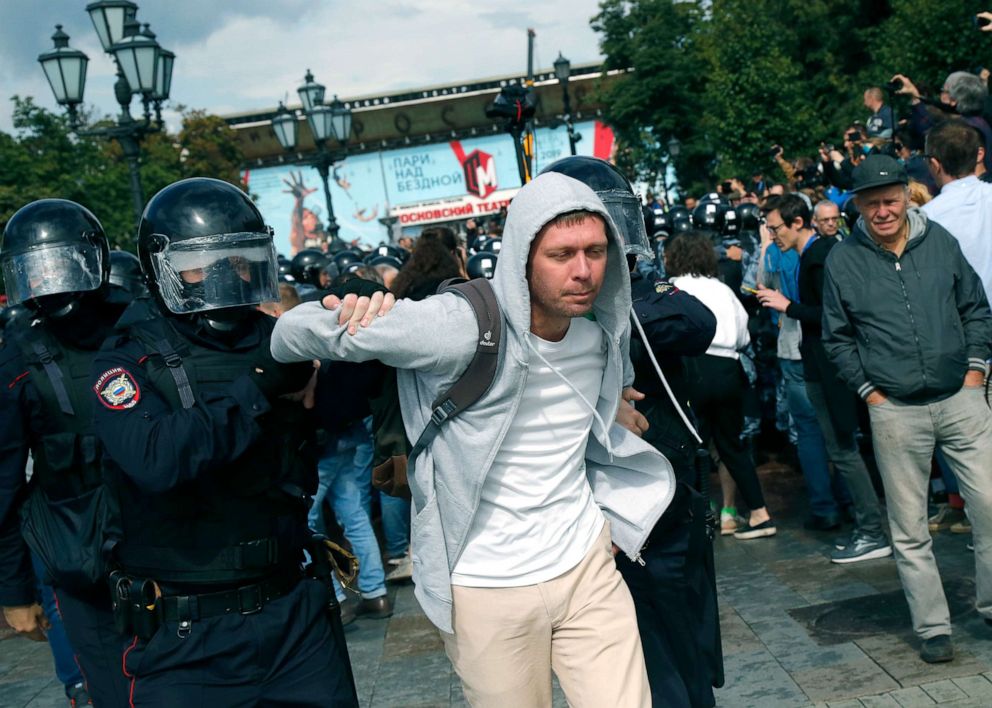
(326, 121)
(674, 149)
(563, 69)
(143, 68)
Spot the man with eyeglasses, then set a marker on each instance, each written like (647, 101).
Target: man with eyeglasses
(826, 219)
(834, 406)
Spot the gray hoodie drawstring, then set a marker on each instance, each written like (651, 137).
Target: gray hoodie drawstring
(595, 413)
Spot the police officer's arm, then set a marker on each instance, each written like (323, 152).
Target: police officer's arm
(675, 322)
(157, 447)
(839, 338)
(17, 581)
(435, 334)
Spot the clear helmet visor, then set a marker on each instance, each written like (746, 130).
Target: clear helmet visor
(214, 272)
(54, 270)
(625, 209)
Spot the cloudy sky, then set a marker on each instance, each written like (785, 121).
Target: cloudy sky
(240, 55)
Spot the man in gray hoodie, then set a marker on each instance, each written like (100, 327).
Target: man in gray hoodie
(523, 498)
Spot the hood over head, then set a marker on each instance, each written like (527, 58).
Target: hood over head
(917, 226)
(537, 203)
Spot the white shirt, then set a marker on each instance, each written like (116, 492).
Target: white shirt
(964, 207)
(537, 517)
(731, 317)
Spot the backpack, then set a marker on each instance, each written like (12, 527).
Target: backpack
(391, 475)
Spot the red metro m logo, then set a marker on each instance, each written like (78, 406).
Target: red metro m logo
(479, 169)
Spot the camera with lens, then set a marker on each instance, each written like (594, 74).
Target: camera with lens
(894, 86)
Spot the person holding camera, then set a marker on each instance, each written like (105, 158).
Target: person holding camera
(963, 94)
(882, 121)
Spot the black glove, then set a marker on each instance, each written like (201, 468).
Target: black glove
(275, 379)
(360, 287)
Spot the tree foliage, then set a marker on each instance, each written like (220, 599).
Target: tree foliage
(44, 158)
(730, 78)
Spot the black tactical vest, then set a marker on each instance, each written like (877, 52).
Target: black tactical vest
(236, 522)
(67, 457)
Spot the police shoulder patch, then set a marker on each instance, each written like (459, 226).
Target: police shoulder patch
(117, 389)
(663, 287)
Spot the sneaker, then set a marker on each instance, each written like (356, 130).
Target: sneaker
(78, 696)
(937, 650)
(842, 542)
(747, 531)
(861, 548)
(944, 518)
(402, 569)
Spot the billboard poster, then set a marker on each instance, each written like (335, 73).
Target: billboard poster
(420, 185)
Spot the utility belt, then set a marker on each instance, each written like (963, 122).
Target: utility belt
(140, 608)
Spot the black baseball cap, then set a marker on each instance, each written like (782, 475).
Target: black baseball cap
(878, 171)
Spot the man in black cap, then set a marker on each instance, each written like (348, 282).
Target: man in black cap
(907, 323)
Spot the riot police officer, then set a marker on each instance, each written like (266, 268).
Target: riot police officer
(673, 591)
(208, 446)
(56, 265)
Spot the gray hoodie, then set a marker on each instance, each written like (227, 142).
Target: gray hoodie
(432, 341)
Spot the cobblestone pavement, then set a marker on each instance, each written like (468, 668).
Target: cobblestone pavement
(797, 631)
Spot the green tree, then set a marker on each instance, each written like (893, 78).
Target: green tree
(659, 96)
(44, 158)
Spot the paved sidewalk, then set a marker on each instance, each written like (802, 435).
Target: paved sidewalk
(797, 630)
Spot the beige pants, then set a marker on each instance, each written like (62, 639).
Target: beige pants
(581, 625)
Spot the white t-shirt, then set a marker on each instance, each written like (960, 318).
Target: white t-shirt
(731, 317)
(537, 517)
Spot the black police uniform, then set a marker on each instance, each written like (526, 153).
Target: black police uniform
(213, 481)
(673, 591)
(45, 408)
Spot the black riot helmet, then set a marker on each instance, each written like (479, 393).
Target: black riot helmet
(204, 246)
(348, 261)
(709, 216)
(125, 273)
(731, 224)
(13, 316)
(384, 249)
(52, 252)
(749, 217)
(614, 190)
(679, 219)
(482, 265)
(307, 264)
(492, 245)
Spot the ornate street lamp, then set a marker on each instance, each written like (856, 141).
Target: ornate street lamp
(326, 122)
(65, 69)
(143, 68)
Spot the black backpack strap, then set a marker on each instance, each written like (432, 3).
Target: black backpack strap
(55, 376)
(481, 371)
(174, 362)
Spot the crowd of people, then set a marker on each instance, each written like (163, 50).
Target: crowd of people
(196, 443)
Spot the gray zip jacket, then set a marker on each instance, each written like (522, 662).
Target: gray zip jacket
(432, 341)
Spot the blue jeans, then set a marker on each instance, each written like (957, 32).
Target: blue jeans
(346, 479)
(395, 524)
(825, 490)
(66, 668)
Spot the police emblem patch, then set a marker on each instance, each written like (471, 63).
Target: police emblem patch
(663, 287)
(117, 389)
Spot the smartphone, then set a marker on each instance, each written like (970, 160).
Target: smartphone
(980, 21)
(749, 290)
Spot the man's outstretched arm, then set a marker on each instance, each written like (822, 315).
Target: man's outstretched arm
(432, 334)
